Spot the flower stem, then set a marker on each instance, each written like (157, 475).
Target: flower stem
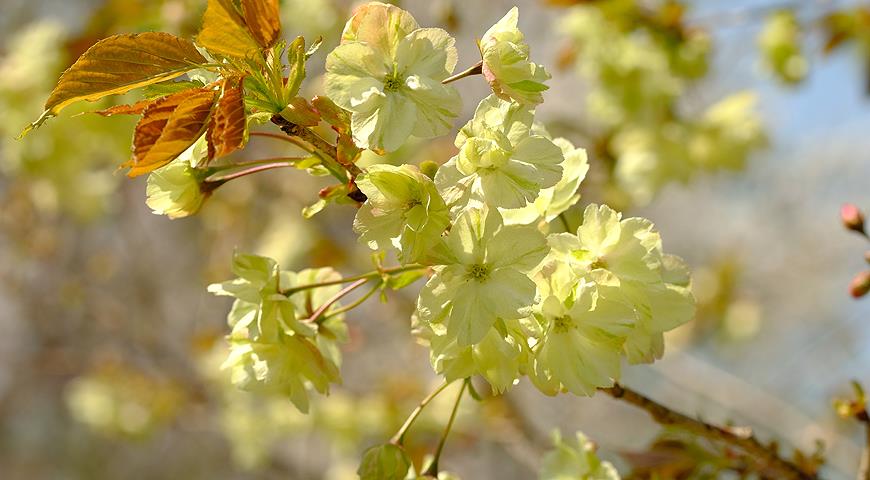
(231, 172)
(399, 437)
(355, 304)
(315, 317)
(433, 467)
(283, 138)
(317, 145)
(369, 275)
(765, 458)
(475, 69)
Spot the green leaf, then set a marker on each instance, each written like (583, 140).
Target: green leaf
(162, 89)
(402, 280)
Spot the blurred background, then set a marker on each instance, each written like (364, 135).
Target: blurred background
(738, 127)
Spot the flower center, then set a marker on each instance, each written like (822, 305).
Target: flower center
(563, 324)
(598, 263)
(478, 272)
(392, 83)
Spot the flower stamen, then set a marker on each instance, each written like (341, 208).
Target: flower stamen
(478, 272)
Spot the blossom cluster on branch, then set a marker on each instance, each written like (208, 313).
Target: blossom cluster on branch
(505, 296)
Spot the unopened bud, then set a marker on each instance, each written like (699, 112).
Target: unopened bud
(860, 284)
(384, 462)
(852, 218)
(429, 168)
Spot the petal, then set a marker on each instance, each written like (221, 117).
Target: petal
(437, 105)
(377, 231)
(600, 229)
(427, 52)
(380, 25)
(508, 23)
(508, 294)
(509, 118)
(352, 69)
(454, 186)
(387, 126)
(512, 186)
(469, 318)
(544, 155)
(520, 247)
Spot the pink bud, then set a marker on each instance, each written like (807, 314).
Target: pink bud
(852, 218)
(860, 284)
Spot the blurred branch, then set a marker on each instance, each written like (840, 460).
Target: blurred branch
(765, 457)
(399, 437)
(864, 470)
(433, 467)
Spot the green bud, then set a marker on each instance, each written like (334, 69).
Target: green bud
(429, 168)
(384, 462)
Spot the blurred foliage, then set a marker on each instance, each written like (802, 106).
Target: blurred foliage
(640, 59)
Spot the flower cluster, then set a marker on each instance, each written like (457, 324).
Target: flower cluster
(275, 345)
(503, 299)
(650, 157)
(502, 162)
(637, 76)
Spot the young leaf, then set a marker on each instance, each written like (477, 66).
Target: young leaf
(227, 132)
(300, 112)
(119, 64)
(334, 115)
(348, 152)
(263, 20)
(224, 32)
(132, 109)
(296, 61)
(168, 128)
(313, 48)
(162, 89)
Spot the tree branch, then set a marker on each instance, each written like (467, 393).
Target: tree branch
(864, 469)
(327, 151)
(764, 457)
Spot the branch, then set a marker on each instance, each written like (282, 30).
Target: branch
(864, 469)
(765, 457)
(327, 151)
